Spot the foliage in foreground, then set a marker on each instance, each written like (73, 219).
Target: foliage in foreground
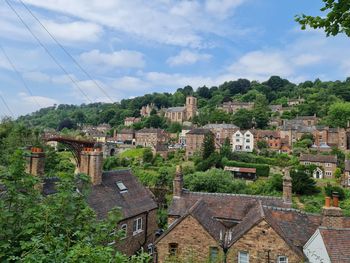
(57, 228)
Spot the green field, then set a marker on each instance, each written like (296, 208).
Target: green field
(132, 153)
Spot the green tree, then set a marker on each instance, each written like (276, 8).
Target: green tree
(147, 156)
(336, 21)
(243, 119)
(57, 228)
(261, 111)
(339, 114)
(226, 149)
(302, 182)
(208, 145)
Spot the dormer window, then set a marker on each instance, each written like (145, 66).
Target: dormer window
(122, 188)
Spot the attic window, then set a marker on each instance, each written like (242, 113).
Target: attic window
(122, 187)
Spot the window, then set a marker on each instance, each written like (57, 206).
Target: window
(243, 257)
(237, 140)
(282, 259)
(328, 165)
(122, 188)
(247, 147)
(247, 140)
(173, 248)
(124, 228)
(329, 174)
(214, 252)
(137, 227)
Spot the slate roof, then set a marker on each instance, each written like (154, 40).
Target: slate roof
(150, 130)
(176, 109)
(337, 242)
(220, 126)
(106, 196)
(318, 158)
(126, 131)
(198, 131)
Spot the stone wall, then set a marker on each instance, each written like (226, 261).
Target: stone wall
(263, 244)
(193, 241)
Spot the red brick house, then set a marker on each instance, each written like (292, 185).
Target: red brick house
(125, 136)
(272, 138)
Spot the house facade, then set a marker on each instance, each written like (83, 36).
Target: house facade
(145, 111)
(272, 138)
(221, 131)
(326, 164)
(234, 106)
(182, 114)
(194, 141)
(150, 137)
(128, 121)
(125, 136)
(242, 141)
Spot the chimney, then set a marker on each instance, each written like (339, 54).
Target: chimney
(178, 183)
(332, 215)
(287, 187)
(36, 162)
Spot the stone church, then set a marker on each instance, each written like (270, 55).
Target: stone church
(182, 114)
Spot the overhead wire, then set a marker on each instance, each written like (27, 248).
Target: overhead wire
(67, 53)
(20, 76)
(48, 52)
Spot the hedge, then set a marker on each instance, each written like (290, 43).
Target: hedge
(261, 169)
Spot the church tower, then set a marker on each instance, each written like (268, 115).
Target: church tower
(191, 107)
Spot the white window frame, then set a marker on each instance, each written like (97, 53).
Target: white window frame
(239, 256)
(280, 257)
(124, 227)
(139, 226)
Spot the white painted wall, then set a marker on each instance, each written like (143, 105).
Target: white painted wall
(315, 249)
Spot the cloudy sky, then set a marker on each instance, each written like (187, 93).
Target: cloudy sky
(128, 48)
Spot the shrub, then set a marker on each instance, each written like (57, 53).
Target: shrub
(330, 189)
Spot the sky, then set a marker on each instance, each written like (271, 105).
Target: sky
(129, 48)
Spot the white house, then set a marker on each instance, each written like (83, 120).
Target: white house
(242, 141)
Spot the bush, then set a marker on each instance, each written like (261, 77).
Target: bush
(110, 163)
(147, 156)
(302, 182)
(330, 189)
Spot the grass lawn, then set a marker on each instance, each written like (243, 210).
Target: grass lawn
(133, 153)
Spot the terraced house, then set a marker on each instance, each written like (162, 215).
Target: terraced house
(212, 227)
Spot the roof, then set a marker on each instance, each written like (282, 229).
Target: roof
(337, 242)
(199, 131)
(267, 133)
(106, 196)
(150, 130)
(318, 158)
(220, 126)
(229, 206)
(201, 211)
(175, 109)
(240, 169)
(126, 131)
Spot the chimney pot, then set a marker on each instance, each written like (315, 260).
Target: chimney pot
(327, 201)
(335, 199)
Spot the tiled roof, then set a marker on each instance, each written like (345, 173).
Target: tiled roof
(318, 158)
(150, 130)
(337, 242)
(107, 196)
(198, 131)
(229, 206)
(126, 131)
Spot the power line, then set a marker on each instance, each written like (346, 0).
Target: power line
(20, 76)
(48, 52)
(67, 53)
(6, 105)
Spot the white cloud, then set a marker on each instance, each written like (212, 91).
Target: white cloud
(118, 59)
(306, 59)
(187, 57)
(34, 100)
(167, 22)
(75, 31)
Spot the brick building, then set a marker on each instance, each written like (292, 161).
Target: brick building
(221, 131)
(211, 226)
(326, 164)
(128, 121)
(182, 114)
(272, 138)
(150, 137)
(125, 136)
(194, 140)
(121, 189)
(146, 110)
(234, 106)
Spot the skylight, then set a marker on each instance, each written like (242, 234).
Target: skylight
(122, 187)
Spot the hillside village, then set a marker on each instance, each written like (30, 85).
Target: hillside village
(174, 131)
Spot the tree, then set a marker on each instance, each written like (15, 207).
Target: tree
(147, 156)
(339, 114)
(175, 127)
(261, 111)
(336, 21)
(66, 123)
(208, 145)
(243, 119)
(302, 182)
(262, 144)
(56, 228)
(226, 149)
